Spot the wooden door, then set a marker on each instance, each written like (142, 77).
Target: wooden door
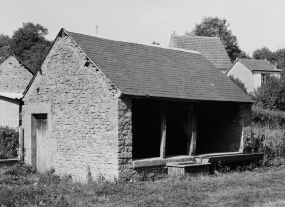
(41, 142)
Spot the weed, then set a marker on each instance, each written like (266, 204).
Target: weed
(20, 169)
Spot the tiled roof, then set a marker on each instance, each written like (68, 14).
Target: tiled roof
(258, 65)
(151, 71)
(211, 47)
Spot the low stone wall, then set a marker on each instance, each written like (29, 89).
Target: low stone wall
(8, 162)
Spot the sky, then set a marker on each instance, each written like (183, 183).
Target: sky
(255, 23)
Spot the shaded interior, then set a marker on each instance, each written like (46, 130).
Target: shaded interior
(146, 128)
(218, 128)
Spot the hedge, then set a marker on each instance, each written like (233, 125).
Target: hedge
(268, 118)
(9, 142)
(267, 141)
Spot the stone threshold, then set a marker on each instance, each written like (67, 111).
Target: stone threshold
(158, 161)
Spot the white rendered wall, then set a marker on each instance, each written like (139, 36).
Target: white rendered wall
(9, 112)
(256, 80)
(244, 74)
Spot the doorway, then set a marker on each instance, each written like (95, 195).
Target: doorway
(39, 139)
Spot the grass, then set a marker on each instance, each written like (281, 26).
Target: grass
(260, 187)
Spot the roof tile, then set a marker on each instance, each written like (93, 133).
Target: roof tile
(142, 70)
(258, 65)
(211, 47)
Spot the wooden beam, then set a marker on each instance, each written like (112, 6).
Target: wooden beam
(163, 130)
(189, 128)
(192, 151)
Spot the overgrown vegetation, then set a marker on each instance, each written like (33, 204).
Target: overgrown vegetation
(271, 95)
(268, 141)
(265, 118)
(9, 142)
(258, 187)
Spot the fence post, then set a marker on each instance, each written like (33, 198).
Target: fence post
(21, 143)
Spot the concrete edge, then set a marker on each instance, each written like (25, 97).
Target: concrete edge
(152, 162)
(8, 162)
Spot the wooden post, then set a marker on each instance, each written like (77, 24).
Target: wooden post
(192, 151)
(21, 143)
(189, 130)
(163, 130)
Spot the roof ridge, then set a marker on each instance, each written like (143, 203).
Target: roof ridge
(197, 36)
(149, 45)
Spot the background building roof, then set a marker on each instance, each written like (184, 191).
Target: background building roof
(211, 47)
(258, 65)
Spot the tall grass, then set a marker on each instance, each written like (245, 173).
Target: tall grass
(246, 188)
(271, 142)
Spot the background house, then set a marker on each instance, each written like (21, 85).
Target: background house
(253, 73)
(110, 107)
(14, 76)
(211, 47)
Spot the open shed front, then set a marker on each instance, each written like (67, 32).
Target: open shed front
(167, 130)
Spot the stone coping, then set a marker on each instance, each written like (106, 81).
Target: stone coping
(8, 160)
(187, 164)
(158, 161)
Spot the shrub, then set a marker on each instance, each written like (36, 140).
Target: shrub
(20, 169)
(269, 142)
(271, 95)
(9, 142)
(268, 118)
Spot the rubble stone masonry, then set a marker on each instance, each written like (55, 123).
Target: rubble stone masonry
(14, 76)
(82, 108)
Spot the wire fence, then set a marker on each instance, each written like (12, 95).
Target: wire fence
(9, 142)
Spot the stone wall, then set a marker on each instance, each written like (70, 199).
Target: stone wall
(14, 76)
(83, 114)
(125, 139)
(9, 112)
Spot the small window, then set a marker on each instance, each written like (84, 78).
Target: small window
(264, 78)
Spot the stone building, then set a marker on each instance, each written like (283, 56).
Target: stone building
(112, 108)
(14, 78)
(211, 47)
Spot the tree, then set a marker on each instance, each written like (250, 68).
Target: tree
(30, 45)
(264, 53)
(216, 27)
(4, 44)
(271, 95)
(280, 59)
(277, 58)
